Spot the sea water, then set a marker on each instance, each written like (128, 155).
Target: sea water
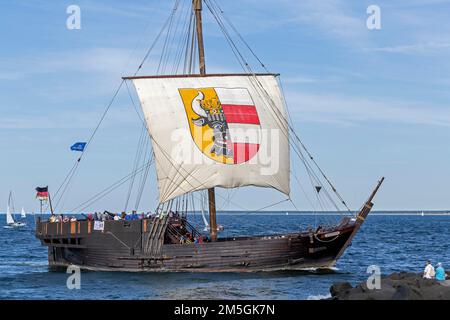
(394, 243)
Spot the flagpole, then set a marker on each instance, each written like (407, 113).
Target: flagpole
(50, 202)
(40, 215)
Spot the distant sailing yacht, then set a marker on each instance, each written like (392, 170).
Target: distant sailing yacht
(207, 228)
(23, 214)
(9, 216)
(208, 131)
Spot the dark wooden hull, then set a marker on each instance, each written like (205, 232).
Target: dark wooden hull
(139, 246)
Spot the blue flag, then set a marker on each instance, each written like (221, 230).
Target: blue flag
(79, 146)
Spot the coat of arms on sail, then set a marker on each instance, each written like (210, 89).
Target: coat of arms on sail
(223, 122)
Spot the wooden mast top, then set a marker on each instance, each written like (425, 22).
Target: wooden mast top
(197, 6)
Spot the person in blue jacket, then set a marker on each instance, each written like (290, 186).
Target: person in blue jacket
(440, 272)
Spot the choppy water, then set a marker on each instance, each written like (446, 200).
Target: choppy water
(395, 243)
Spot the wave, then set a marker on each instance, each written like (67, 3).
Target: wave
(319, 297)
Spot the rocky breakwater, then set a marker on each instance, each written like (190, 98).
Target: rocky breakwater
(397, 286)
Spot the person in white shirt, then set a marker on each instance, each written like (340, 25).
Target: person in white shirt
(428, 273)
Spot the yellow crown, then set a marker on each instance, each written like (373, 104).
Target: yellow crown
(212, 105)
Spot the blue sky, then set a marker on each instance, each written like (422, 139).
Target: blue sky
(367, 103)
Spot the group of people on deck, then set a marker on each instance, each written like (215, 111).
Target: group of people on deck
(188, 239)
(109, 216)
(116, 217)
(431, 273)
(61, 218)
(105, 216)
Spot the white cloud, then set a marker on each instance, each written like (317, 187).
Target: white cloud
(299, 79)
(421, 48)
(70, 119)
(126, 9)
(344, 110)
(331, 17)
(412, 3)
(67, 78)
(109, 61)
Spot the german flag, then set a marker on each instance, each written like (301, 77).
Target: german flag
(42, 193)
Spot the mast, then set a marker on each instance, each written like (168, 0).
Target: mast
(197, 6)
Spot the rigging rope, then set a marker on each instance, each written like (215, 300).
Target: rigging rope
(137, 159)
(214, 2)
(183, 40)
(109, 189)
(165, 53)
(142, 184)
(271, 205)
(64, 185)
(190, 66)
(246, 67)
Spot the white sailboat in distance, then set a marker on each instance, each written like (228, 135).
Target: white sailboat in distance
(207, 228)
(23, 214)
(10, 223)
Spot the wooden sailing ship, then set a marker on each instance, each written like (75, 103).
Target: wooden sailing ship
(222, 120)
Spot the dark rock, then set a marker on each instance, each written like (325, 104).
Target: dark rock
(339, 288)
(396, 286)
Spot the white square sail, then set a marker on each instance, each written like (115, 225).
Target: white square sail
(216, 131)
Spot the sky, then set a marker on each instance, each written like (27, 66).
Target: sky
(367, 103)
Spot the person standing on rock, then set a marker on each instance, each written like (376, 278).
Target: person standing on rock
(429, 272)
(440, 272)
